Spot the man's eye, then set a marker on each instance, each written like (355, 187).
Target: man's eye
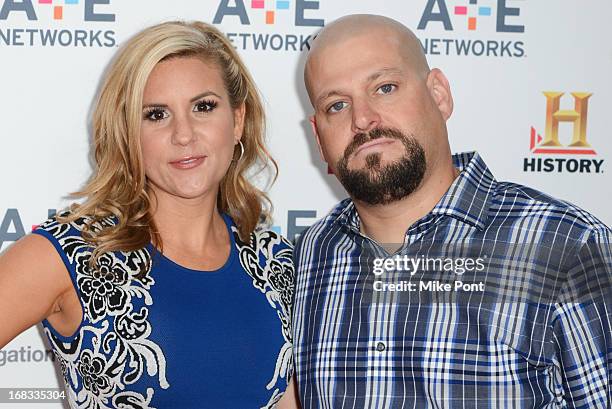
(155, 114)
(205, 106)
(386, 89)
(336, 107)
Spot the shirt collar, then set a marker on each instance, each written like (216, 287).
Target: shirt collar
(468, 198)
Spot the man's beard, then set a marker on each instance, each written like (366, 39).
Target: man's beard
(377, 184)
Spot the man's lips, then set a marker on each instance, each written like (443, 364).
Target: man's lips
(374, 142)
(188, 162)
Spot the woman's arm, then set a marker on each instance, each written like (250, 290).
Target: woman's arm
(33, 284)
(290, 398)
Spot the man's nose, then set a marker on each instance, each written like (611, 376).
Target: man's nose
(365, 117)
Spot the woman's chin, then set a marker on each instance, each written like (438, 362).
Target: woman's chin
(188, 192)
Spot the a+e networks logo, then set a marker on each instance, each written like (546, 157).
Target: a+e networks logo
(13, 227)
(549, 154)
(263, 15)
(479, 28)
(74, 23)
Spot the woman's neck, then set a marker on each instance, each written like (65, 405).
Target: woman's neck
(192, 231)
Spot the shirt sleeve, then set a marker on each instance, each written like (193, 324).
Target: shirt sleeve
(582, 327)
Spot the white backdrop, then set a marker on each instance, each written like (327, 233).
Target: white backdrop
(50, 69)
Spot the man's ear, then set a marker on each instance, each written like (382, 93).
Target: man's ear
(315, 131)
(439, 89)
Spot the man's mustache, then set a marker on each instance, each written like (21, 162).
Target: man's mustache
(364, 137)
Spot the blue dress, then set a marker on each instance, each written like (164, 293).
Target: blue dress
(155, 334)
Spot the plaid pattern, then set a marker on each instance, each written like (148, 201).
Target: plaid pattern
(538, 336)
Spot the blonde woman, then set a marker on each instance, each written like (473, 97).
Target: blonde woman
(159, 290)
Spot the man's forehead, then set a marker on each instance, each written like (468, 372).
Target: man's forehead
(358, 44)
(356, 62)
(359, 52)
(357, 25)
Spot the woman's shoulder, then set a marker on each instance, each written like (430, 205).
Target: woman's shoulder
(69, 233)
(267, 256)
(67, 223)
(265, 242)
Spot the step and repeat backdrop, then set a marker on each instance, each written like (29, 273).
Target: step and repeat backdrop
(523, 72)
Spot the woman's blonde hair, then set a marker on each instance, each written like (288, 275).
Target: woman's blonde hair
(117, 187)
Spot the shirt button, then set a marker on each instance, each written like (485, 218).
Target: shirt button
(380, 346)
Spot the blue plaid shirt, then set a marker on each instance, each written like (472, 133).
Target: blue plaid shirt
(531, 329)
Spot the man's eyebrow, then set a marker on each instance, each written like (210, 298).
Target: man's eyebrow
(372, 77)
(385, 71)
(326, 95)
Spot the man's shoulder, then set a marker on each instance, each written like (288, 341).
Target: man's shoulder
(513, 200)
(324, 225)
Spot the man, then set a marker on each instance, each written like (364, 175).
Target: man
(434, 285)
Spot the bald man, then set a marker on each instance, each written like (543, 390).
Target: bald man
(434, 284)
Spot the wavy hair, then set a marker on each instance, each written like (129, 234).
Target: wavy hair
(118, 185)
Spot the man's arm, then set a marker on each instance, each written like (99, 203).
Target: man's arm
(582, 325)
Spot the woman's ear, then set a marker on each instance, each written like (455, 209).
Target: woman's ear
(239, 114)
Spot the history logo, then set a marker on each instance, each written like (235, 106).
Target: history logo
(549, 153)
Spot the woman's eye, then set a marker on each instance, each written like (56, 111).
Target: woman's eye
(205, 106)
(336, 107)
(156, 114)
(386, 89)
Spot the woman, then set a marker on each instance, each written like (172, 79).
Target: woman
(158, 290)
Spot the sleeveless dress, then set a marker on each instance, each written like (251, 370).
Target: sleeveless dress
(155, 334)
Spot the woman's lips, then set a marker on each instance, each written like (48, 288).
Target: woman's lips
(188, 163)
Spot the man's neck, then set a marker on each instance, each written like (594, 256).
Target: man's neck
(387, 224)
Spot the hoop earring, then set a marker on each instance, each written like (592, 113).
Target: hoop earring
(241, 151)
